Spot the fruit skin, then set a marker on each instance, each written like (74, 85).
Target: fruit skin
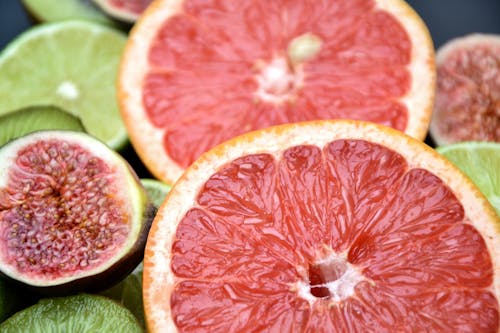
(119, 269)
(158, 276)
(122, 14)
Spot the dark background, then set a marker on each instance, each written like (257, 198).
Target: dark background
(445, 19)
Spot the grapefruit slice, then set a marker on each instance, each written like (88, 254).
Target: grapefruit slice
(468, 90)
(196, 73)
(325, 226)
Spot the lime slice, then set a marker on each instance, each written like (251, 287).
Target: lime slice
(57, 10)
(69, 64)
(480, 161)
(129, 293)
(156, 190)
(31, 119)
(79, 313)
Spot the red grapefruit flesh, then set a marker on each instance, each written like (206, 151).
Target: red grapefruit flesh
(323, 227)
(468, 90)
(196, 73)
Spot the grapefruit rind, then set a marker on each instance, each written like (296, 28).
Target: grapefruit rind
(158, 278)
(135, 196)
(442, 55)
(148, 139)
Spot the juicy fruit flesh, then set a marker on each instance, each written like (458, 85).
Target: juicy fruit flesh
(134, 6)
(264, 229)
(217, 52)
(59, 211)
(468, 102)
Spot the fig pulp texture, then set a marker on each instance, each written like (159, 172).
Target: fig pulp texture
(74, 215)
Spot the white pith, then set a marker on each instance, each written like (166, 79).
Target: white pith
(132, 195)
(274, 141)
(68, 90)
(340, 289)
(135, 66)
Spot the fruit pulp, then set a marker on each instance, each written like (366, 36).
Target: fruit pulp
(299, 242)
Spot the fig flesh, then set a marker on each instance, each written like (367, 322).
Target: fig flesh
(73, 213)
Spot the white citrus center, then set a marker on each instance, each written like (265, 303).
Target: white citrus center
(277, 81)
(68, 90)
(332, 278)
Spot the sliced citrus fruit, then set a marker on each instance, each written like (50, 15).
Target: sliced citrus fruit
(326, 226)
(57, 10)
(196, 73)
(31, 119)
(69, 64)
(125, 10)
(73, 314)
(468, 90)
(480, 161)
(157, 190)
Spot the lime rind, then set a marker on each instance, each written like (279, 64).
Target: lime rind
(69, 64)
(480, 161)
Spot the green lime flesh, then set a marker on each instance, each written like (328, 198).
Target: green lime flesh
(36, 118)
(480, 161)
(71, 65)
(73, 314)
(157, 190)
(57, 10)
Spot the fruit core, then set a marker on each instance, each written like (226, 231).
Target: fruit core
(331, 278)
(68, 90)
(59, 210)
(280, 79)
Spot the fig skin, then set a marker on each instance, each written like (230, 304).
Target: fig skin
(103, 278)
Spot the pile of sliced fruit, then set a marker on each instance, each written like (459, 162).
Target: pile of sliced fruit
(326, 169)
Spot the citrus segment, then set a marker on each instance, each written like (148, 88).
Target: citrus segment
(71, 65)
(196, 73)
(328, 226)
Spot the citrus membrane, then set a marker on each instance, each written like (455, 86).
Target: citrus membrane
(31, 119)
(71, 65)
(326, 226)
(73, 314)
(56, 10)
(196, 73)
(480, 161)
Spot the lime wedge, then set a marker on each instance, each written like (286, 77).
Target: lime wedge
(31, 119)
(57, 10)
(157, 190)
(480, 161)
(73, 314)
(69, 64)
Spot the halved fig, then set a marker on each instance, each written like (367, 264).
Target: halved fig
(73, 213)
(123, 10)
